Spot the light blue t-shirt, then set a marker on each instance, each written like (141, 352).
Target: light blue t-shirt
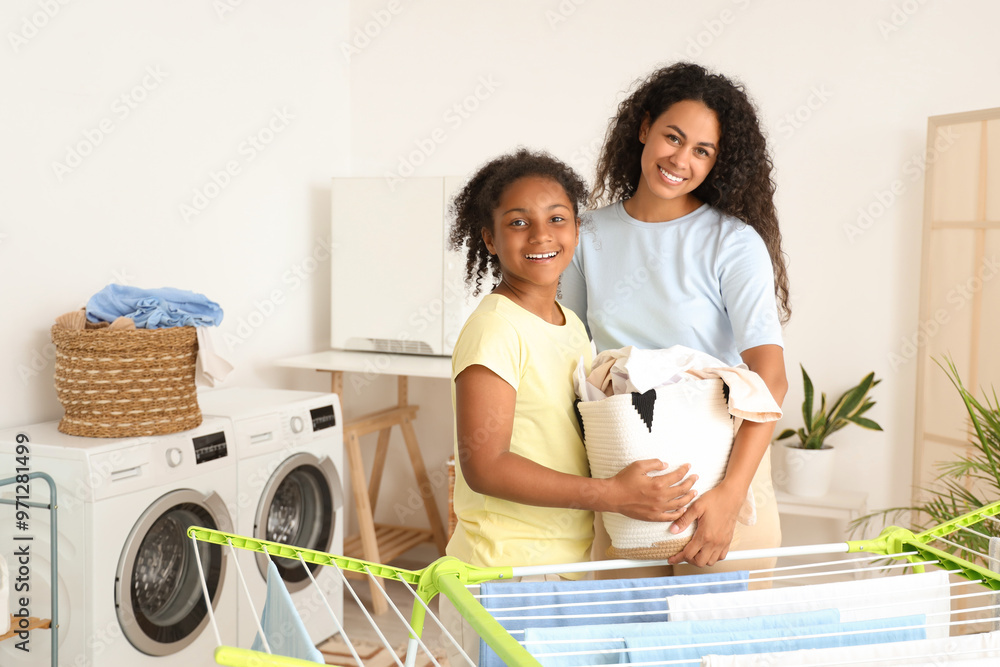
(703, 280)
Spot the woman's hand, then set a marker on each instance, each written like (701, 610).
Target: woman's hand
(637, 495)
(716, 513)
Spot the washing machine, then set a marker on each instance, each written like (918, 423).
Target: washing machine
(290, 451)
(129, 588)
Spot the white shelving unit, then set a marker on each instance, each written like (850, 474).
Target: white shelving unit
(845, 505)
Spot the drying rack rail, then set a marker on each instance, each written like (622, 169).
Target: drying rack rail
(450, 577)
(32, 623)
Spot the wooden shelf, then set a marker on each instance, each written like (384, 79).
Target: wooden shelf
(33, 624)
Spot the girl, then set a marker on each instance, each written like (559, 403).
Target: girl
(687, 251)
(523, 494)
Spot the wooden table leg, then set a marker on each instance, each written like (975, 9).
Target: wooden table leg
(366, 521)
(337, 385)
(424, 485)
(378, 466)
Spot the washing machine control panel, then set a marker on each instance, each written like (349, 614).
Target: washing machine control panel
(210, 447)
(323, 417)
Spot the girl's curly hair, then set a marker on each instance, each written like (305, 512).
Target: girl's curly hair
(739, 184)
(472, 208)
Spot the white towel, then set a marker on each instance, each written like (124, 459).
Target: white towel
(212, 368)
(981, 650)
(857, 600)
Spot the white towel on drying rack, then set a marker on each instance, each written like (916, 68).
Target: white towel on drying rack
(858, 600)
(982, 650)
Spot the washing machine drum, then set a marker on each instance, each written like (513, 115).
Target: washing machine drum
(158, 592)
(298, 507)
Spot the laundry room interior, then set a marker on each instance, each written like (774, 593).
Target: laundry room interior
(294, 164)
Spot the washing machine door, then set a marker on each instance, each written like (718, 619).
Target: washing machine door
(158, 592)
(298, 506)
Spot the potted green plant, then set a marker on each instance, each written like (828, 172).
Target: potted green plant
(809, 462)
(965, 484)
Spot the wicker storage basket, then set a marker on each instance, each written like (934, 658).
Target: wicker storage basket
(688, 422)
(115, 384)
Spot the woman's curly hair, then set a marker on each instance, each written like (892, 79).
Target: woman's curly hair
(472, 208)
(739, 184)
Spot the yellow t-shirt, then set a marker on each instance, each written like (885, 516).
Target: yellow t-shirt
(537, 359)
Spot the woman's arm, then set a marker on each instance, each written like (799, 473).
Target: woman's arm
(717, 509)
(484, 407)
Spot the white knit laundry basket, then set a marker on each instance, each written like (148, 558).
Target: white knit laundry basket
(687, 422)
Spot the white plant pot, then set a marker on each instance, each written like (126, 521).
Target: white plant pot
(808, 472)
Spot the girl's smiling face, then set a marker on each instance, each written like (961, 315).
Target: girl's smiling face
(679, 150)
(534, 233)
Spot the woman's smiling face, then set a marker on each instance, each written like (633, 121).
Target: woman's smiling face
(680, 149)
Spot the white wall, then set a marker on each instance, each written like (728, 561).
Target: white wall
(844, 91)
(224, 71)
(542, 74)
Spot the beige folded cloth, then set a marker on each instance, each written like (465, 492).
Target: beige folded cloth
(76, 319)
(122, 323)
(630, 369)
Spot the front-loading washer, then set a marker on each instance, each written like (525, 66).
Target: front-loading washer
(290, 452)
(129, 591)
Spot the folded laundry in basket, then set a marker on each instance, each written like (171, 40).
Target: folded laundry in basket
(537, 604)
(153, 308)
(547, 643)
(630, 369)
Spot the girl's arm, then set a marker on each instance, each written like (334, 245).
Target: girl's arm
(716, 510)
(484, 407)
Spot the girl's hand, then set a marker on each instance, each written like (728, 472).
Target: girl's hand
(662, 498)
(716, 513)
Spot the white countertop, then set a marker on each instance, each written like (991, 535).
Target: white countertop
(375, 363)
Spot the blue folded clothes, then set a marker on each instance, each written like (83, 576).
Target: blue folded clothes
(536, 604)
(606, 644)
(153, 308)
